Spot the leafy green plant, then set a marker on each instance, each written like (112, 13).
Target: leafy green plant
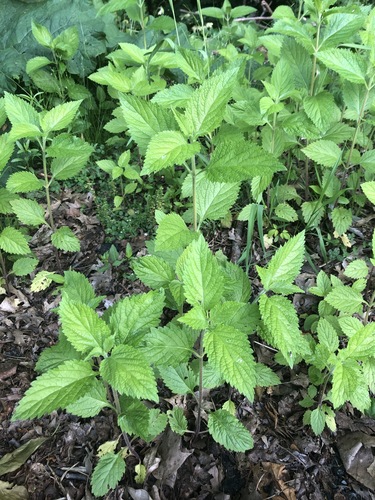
(62, 156)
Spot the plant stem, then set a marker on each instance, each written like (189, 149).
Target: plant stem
(4, 271)
(203, 32)
(124, 435)
(200, 384)
(171, 4)
(43, 145)
(194, 189)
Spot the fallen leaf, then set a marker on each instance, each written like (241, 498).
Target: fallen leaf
(14, 460)
(356, 451)
(277, 471)
(10, 492)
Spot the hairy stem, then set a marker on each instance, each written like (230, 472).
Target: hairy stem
(124, 434)
(200, 384)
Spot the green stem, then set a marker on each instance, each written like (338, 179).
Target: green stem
(124, 435)
(203, 32)
(4, 270)
(43, 146)
(194, 189)
(370, 304)
(200, 384)
(171, 4)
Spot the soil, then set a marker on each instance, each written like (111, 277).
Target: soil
(287, 462)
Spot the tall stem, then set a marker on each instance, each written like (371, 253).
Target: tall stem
(194, 189)
(43, 146)
(200, 384)
(4, 271)
(124, 435)
(171, 4)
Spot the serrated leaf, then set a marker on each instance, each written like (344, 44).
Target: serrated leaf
(340, 28)
(36, 63)
(64, 239)
(67, 167)
(153, 271)
(237, 286)
(236, 161)
(28, 212)
(41, 34)
(323, 152)
(298, 60)
(6, 150)
(327, 335)
(317, 421)
(43, 279)
(107, 473)
(24, 266)
(20, 111)
(344, 382)
(357, 269)
(362, 343)
(77, 288)
(173, 97)
(229, 352)
(312, 212)
(24, 130)
(341, 219)
(282, 328)
(286, 212)
(13, 241)
(242, 316)
(229, 432)
(205, 110)
(128, 371)
(84, 329)
(60, 116)
(322, 110)
(53, 357)
(180, 379)
(265, 377)
(172, 233)
(284, 265)
(23, 182)
(196, 318)
(91, 403)
(167, 149)
(214, 199)
(132, 317)
(170, 345)
(202, 279)
(134, 418)
(349, 65)
(369, 189)
(67, 146)
(177, 420)
(349, 325)
(345, 299)
(55, 389)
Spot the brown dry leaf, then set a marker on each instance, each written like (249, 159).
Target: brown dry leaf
(9, 304)
(10, 492)
(277, 471)
(356, 451)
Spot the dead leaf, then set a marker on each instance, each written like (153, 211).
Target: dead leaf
(277, 471)
(356, 451)
(138, 494)
(10, 492)
(9, 304)
(14, 460)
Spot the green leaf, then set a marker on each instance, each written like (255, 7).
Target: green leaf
(282, 328)
(191, 63)
(322, 110)
(28, 212)
(53, 357)
(24, 130)
(114, 77)
(23, 182)
(229, 432)
(132, 317)
(323, 152)
(286, 212)
(169, 346)
(341, 219)
(349, 65)
(229, 352)
(213, 12)
(156, 425)
(64, 239)
(201, 275)
(134, 418)
(180, 379)
(6, 150)
(20, 111)
(167, 149)
(349, 325)
(236, 161)
(196, 318)
(15, 459)
(362, 343)
(174, 97)
(153, 271)
(77, 288)
(312, 212)
(237, 285)
(298, 61)
(357, 269)
(317, 421)
(285, 265)
(177, 420)
(55, 389)
(67, 167)
(214, 199)
(13, 241)
(128, 371)
(172, 233)
(66, 146)
(369, 189)
(145, 119)
(91, 403)
(107, 473)
(37, 63)
(265, 377)
(42, 34)
(24, 266)
(295, 29)
(344, 382)
(242, 316)
(205, 110)
(327, 335)
(66, 43)
(340, 28)
(345, 299)
(84, 329)
(60, 116)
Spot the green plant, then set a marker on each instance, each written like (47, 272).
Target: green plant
(61, 156)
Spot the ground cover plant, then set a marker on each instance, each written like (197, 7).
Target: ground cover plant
(263, 123)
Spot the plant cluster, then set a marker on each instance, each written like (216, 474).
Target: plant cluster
(274, 127)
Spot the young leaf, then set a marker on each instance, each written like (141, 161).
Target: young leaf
(341, 219)
(214, 199)
(362, 343)
(356, 269)
(107, 473)
(318, 421)
(196, 318)
(286, 212)
(327, 335)
(180, 380)
(55, 389)
(201, 275)
(77, 288)
(345, 299)
(64, 239)
(91, 403)
(369, 189)
(229, 352)
(175, 96)
(322, 110)
(41, 34)
(28, 212)
(229, 432)
(6, 150)
(349, 65)
(344, 382)
(242, 316)
(205, 110)
(128, 371)
(60, 116)
(167, 149)
(23, 182)
(153, 271)
(56, 355)
(134, 418)
(340, 28)
(323, 152)
(84, 329)
(169, 346)
(177, 420)
(13, 241)
(20, 111)
(172, 233)
(284, 265)
(24, 266)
